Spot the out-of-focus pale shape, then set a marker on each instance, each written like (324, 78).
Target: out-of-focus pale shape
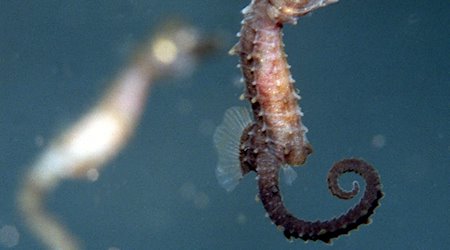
(379, 141)
(92, 174)
(85, 147)
(241, 219)
(39, 140)
(201, 200)
(9, 236)
(165, 50)
(189, 192)
(99, 132)
(289, 174)
(89, 143)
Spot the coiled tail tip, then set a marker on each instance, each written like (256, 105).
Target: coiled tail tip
(327, 230)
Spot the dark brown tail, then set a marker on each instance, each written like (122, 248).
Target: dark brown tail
(294, 227)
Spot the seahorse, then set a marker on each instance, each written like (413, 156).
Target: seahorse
(276, 137)
(86, 146)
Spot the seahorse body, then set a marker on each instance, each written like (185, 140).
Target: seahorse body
(277, 136)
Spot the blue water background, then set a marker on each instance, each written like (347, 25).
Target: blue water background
(366, 70)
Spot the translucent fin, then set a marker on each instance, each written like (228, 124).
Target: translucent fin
(227, 141)
(289, 174)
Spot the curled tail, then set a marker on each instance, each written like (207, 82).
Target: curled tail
(294, 227)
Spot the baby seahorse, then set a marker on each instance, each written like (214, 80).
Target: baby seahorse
(276, 137)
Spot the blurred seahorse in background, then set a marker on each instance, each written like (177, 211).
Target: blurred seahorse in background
(276, 137)
(81, 150)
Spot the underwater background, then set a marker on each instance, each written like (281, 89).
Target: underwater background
(375, 83)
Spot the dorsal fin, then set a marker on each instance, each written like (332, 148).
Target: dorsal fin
(227, 141)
